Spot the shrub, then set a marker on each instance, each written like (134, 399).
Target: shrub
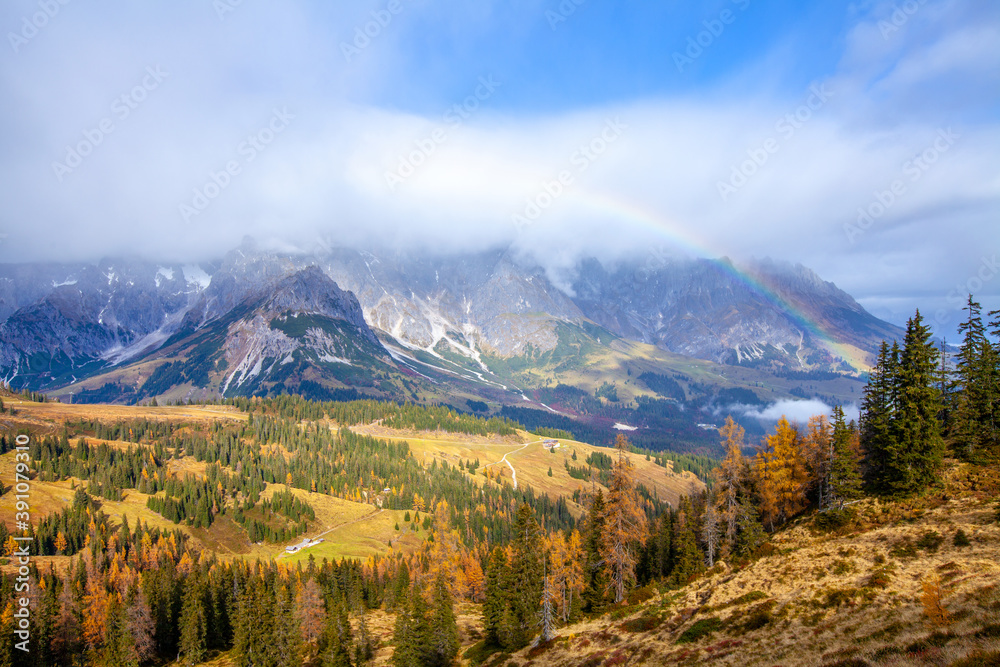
(644, 623)
(640, 595)
(842, 567)
(759, 617)
(839, 596)
(833, 520)
(903, 549)
(961, 539)
(931, 599)
(879, 578)
(747, 598)
(702, 628)
(930, 540)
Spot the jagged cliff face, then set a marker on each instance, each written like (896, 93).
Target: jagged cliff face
(706, 309)
(71, 321)
(73, 318)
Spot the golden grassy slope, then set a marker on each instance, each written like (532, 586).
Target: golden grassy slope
(815, 600)
(531, 463)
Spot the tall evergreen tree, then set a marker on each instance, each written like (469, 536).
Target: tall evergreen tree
(686, 557)
(969, 427)
(412, 633)
(497, 598)
(845, 475)
(193, 625)
(917, 448)
(878, 412)
(595, 583)
(525, 577)
(443, 628)
(119, 645)
(338, 636)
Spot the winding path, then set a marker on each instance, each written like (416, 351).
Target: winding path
(513, 473)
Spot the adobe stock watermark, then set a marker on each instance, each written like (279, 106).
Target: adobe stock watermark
(786, 126)
(581, 159)
(913, 169)
(899, 17)
(20, 558)
(364, 34)
(987, 270)
(121, 108)
(562, 12)
(703, 39)
(31, 25)
(247, 150)
(452, 118)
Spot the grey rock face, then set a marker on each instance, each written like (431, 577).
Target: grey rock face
(59, 318)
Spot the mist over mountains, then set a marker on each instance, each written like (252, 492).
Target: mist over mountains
(489, 327)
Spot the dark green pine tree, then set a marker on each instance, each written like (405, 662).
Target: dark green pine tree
(656, 555)
(119, 645)
(686, 557)
(193, 622)
(750, 534)
(525, 577)
(595, 580)
(338, 636)
(917, 451)
(845, 475)
(992, 384)
(878, 408)
(443, 626)
(497, 598)
(968, 430)
(287, 635)
(411, 633)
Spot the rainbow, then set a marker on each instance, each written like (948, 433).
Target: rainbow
(682, 237)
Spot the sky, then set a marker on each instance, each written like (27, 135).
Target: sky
(857, 138)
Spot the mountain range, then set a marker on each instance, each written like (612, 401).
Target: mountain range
(487, 328)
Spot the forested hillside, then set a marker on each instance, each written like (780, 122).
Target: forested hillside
(520, 564)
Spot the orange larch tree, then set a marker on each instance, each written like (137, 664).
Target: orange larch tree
(782, 479)
(624, 524)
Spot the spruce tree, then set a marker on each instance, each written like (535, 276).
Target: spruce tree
(412, 633)
(497, 578)
(878, 409)
(192, 623)
(686, 556)
(525, 577)
(594, 571)
(845, 477)
(917, 451)
(119, 646)
(443, 628)
(338, 636)
(971, 410)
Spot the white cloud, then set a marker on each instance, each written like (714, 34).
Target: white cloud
(797, 410)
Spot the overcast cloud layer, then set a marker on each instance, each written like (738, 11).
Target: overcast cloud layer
(745, 129)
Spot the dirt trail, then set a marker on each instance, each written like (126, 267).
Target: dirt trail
(513, 473)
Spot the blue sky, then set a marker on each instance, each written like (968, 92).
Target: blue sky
(859, 138)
